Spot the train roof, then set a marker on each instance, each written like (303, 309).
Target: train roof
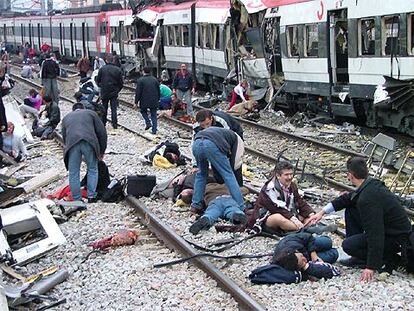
(94, 9)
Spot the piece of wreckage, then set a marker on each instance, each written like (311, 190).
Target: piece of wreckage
(28, 231)
(394, 105)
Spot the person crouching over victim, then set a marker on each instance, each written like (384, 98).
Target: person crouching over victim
(280, 197)
(239, 93)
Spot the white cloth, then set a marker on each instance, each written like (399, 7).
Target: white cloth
(240, 90)
(98, 63)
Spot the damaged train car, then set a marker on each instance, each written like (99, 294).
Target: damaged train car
(323, 56)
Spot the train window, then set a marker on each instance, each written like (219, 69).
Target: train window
(367, 37)
(215, 34)
(390, 32)
(114, 34)
(186, 36)
(178, 36)
(311, 37)
(102, 28)
(410, 35)
(199, 36)
(293, 41)
(170, 35)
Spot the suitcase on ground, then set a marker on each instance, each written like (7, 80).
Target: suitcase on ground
(140, 185)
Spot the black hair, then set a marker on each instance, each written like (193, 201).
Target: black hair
(78, 95)
(287, 260)
(282, 166)
(357, 167)
(33, 92)
(77, 106)
(47, 98)
(203, 114)
(147, 70)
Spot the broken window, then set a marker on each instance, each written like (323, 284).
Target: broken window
(170, 35)
(199, 35)
(367, 37)
(410, 36)
(215, 36)
(186, 36)
(102, 29)
(206, 36)
(293, 41)
(311, 37)
(390, 32)
(114, 34)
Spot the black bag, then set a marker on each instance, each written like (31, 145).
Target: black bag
(140, 185)
(115, 193)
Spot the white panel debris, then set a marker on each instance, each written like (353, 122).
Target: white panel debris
(14, 115)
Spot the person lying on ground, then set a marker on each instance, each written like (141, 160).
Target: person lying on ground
(377, 226)
(31, 104)
(44, 131)
(13, 144)
(219, 204)
(288, 211)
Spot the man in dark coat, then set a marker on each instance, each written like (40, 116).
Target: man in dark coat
(50, 71)
(147, 96)
(377, 226)
(110, 80)
(288, 211)
(206, 118)
(84, 135)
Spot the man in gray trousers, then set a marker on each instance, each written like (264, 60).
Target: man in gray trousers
(84, 135)
(49, 72)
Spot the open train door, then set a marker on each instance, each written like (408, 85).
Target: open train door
(338, 46)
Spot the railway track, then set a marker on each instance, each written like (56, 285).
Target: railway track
(21, 66)
(172, 240)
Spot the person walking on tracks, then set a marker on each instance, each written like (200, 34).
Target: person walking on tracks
(377, 226)
(84, 135)
(147, 96)
(49, 73)
(223, 149)
(110, 80)
(183, 86)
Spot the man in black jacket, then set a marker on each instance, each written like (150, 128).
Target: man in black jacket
(52, 113)
(147, 96)
(50, 71)
(85, 137)
(206, 118)
(110, 80)
(377, 226)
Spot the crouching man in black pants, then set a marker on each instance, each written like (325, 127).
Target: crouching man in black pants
(377, 226)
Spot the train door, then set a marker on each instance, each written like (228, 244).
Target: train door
(121, 39)
(338, 46)
(62, 51)
(72, 50)
(84, 40)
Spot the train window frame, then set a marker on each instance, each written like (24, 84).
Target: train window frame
(185, 38)
(410, 34)
(289, 40)
(102, 28)
(215, 36)
(384, 35)
(360, 37)
(197, 36)
(305, 34)
(178, 35)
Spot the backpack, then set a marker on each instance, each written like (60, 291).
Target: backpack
(274, 274)
(115, 191)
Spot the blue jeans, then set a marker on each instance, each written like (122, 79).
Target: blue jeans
(204, 152)
(324, 249)
(222, 207)
(75, 154)
(165, 102)
(153, 121)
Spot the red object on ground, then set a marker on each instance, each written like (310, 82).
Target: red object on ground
(121, 238)
(65, 194)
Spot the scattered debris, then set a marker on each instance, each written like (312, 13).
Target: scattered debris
(121, 238)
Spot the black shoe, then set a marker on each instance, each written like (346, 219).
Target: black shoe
(201, 224)
(148, 126)
(92, 200)
(240, 219)
(353, 262)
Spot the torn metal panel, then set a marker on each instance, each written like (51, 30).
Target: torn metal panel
(149, 16)
(14, 115)
(25, 218)
(255, 68)
(253, 6)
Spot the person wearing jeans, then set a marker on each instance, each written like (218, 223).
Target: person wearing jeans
(220, 204)
(84, 136)
(223, 149)
(150, 123)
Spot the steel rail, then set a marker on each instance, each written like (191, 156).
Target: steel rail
(295, 136)
(58, 78)
(177, 243)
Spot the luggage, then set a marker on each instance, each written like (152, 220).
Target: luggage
(140, 185)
